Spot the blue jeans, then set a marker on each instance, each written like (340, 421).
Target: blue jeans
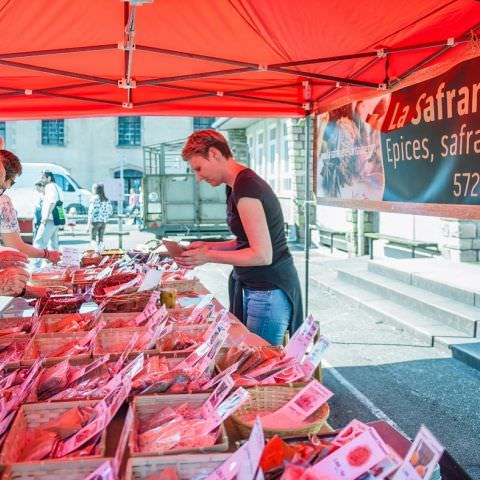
(267, 313)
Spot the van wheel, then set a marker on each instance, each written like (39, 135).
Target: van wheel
(80, 209)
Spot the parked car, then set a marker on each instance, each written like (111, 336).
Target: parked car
(23, 192)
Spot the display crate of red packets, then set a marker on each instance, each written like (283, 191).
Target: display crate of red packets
(182, 339)
(12, 349)
(113, 341)
(186, 466)
(39, 430)
(102, 288)
(150, 411)
(57, 346)
(119, 319)
(16, 326)
(127, 302)
(67, 323)
(50, 278)
(75, 469)
(161, 374)
(59, 304)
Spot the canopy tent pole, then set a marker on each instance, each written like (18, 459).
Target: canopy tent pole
(307, 209)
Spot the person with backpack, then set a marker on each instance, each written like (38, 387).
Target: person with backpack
(52, 214)
(99, 211)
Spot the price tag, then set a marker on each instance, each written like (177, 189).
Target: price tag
(217, 396)
(243, 464)
(353, 459)
(71, 256)
(152, 280)
(301, 406)
(228, 371)
(422, 457)
(298, 344)
(312, 361)
(199, 308)
(348, 433)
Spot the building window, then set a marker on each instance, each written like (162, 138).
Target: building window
(53, 132)
(251, 153)
(202, 123)
(129, 131)
(3, 132)
(286, 170)
(260, 153)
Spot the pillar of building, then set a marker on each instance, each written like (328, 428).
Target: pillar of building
(370, 224)
(460, 240)
(237, 139)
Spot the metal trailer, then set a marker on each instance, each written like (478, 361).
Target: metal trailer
(174, 202)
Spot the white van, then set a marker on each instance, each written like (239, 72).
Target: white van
(23, 192)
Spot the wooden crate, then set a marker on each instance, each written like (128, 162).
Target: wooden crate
(47, 343)
(193, 331)
(47, 322)
(59, 469)
(145, 406)
(34, 415)
(22, 343)
(187, 466)
(114, 340)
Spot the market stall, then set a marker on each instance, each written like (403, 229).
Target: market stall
(243, 58)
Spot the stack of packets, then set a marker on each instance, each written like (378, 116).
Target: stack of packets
(251, 366)
(185, 427)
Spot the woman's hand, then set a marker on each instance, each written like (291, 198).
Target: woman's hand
(193, 257)
(195, 245)
(54, 256)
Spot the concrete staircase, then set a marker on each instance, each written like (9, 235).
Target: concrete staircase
(436, 301)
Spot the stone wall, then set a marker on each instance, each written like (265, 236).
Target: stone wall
(370, 224)
(460, 240)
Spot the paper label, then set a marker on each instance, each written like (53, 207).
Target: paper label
(111, 291)
(228, 371)
(353, 459)
(71, 256)
(302, 405)
(422, 457)
(243, 464)
(298, 344)
(194, 357)
(104, 472)
(387, 466)
(312, 360)
(199, 308)
(104, 273)
(149, 310)
(209, 358)
(225, 409)
(218, 395)
(152, 280)
(349, 432)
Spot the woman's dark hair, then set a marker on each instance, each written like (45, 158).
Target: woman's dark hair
(11, 164)
(100, 191)
(198, 143)
(49, 175)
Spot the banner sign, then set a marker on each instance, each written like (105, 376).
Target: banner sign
(420, 144)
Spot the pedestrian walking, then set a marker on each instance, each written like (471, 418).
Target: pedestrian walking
(99, 211)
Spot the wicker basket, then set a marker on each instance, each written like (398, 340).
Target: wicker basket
(114, 341)
(47, 343)
(269, 400)
(34, 415)
(56, 469)
(126, 302)
(145, 406)
(187, 466)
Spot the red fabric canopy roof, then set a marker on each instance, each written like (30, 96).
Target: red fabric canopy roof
(71, 58)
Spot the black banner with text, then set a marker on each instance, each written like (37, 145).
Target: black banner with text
(419, 144)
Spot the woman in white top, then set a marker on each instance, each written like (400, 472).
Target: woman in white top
(99, 212)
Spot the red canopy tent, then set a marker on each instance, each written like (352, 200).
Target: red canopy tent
(74, 58)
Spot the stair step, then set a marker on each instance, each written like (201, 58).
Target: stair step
(440, 310)
(468, 353)
(457, 282)
(422, 327)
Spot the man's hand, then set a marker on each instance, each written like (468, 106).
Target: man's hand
(193, 258)
(13, 280)
(12, 258)
(54, 256)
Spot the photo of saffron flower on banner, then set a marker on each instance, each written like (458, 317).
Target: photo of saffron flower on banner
(348, 150)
